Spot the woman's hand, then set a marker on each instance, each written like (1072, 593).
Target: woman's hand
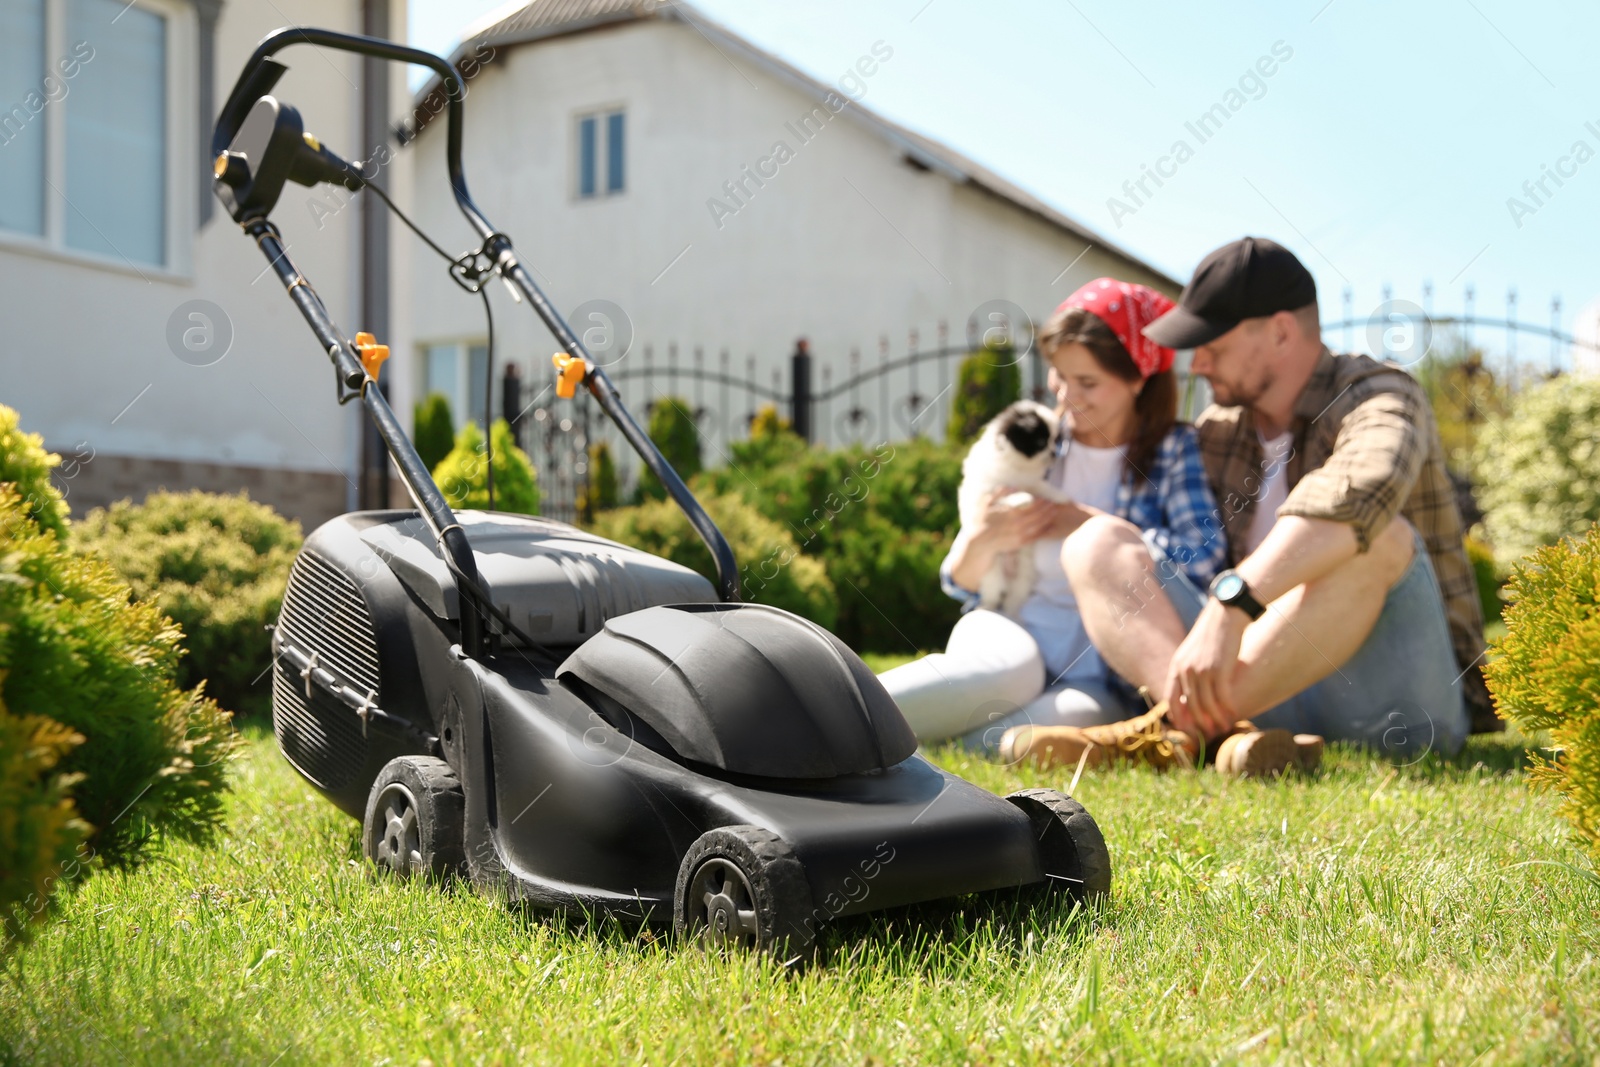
(997, 528)
(1003, 527)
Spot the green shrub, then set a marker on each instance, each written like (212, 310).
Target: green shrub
(879, 518)
(1538, 469)
(25, 464)
(1545, 674)
(216, 565)
(74, 649)
(599, 490)
(1487, 573)
(39, 827)
(463, 475)
(772, 570)
(989, 379)
(433, 429)
(673, 429)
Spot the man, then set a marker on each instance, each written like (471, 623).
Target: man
(1350, 609)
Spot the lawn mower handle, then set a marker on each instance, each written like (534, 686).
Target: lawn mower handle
(261, 72)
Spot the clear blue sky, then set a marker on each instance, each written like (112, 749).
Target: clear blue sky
(1383, 150)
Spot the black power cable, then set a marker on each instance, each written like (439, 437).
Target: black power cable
(471, 271)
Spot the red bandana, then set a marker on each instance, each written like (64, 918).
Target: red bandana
(1127, 309)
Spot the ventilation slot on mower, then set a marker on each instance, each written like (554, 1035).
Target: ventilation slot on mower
(324, 617)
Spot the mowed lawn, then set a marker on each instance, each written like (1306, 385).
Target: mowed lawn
(1375, 914)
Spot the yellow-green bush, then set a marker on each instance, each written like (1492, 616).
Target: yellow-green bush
(25, 464)
(75, 649)
(101, 753)
(1545, 673)
(463, 476)
(217, 566)
(39, 827)
(772, 569)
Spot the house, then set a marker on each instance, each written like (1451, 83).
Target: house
(143, 338)
(692, 201)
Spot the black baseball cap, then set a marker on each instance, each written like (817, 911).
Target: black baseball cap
(1246, 279)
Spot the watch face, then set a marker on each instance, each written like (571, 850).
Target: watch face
(1229, 586)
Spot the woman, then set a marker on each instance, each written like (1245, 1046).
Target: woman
(1121, 453)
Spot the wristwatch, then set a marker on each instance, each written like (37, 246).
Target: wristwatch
(1234, 592)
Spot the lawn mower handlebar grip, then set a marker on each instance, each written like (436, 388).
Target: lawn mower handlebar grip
(261, 72)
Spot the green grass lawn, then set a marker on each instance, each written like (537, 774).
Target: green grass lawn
(1375, 914)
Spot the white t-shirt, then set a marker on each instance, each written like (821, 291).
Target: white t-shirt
(1090, 476)
(1274, 487)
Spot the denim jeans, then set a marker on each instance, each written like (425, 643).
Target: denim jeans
(1399, 694)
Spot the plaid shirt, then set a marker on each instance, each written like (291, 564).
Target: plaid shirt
(1175, 508)
(1365, 449)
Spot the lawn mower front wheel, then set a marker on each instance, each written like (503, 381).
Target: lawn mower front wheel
(741, 886)
(1072, 850)
(415, 819)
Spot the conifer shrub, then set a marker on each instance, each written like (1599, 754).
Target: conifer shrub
(1545, 672)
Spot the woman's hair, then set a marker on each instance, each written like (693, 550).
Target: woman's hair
(1156, 406)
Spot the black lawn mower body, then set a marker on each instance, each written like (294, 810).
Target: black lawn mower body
(577, 722)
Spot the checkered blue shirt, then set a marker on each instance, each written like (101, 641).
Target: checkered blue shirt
(1175, 509)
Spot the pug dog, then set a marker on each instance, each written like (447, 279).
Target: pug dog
(1015, 450)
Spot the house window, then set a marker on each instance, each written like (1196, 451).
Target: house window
(602, 161)
(87, 126)
(457, 369)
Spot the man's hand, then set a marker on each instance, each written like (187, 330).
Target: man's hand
(1200, 678)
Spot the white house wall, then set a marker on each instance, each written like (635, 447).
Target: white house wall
(845, 244)
(84, 340)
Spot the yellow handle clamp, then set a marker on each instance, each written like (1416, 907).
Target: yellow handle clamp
(569, 372)
(372, 354)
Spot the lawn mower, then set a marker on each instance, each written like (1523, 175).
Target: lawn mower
(574, 722)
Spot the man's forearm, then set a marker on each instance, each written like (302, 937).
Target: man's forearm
(1297, 551)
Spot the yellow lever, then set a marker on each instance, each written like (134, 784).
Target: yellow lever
(569, 372)
(372, 354)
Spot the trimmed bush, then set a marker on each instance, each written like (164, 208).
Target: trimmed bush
(673, 429)
(217, 566)
(599, 490)
(39, 827)
(772, 570)
(433, 429)
(988, 380)
(879, 519)
(1538, 470)
(75, 649)
(463, 476)
(1545, 674)
(25, 464)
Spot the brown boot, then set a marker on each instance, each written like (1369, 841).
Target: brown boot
(1143, 739)
(1254, 753)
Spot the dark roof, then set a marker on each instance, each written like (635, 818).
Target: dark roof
(537, 20)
